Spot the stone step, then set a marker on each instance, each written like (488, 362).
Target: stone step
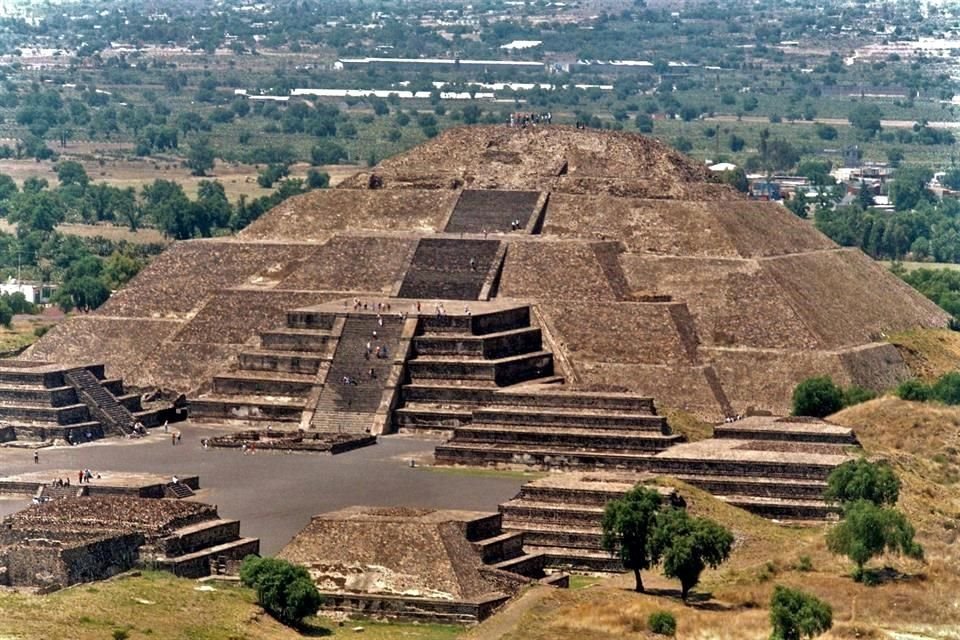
(528, 511)
(588, 419)
(552, 398)
(301, 362)
(562, 436)
(275, 408)
(416, 418)
(665, 464)
(502, 547)
(179, 491)
(65, 415)
(488, 346)
(264, 383)
(473, 454)
(197, 563)
(304, 340)
(555, 535)
(342, 422)
(784, 509)
(502, 371)
(440, 393)
(200, 536)
(788, 432)
(37, 396)
(759, 487)
(529, 565)
(43, 431)
(578, 560)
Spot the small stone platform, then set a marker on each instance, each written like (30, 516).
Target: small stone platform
(419, 564)
(299, 440)
(110, 483)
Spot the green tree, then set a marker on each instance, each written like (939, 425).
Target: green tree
(8, 188)
(318, 179)
(863, 480)
(284, 589)
(627, 524)
(817, 397)
(687, 545)
(866, 119)
(795, 615)
(327, 152)
(72, 172)
(798, 204)
(119, 268)
(909, 187)
(201, 157)
(736, 178)
(867, 531)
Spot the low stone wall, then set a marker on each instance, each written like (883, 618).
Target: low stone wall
(244, 410)
(57, 397)
(286, 363)
(228, 384)
(407, 608)
(310, 320)
(562, 437)
(763, 487)
(51, 564)
(208, 534)
(506, 416)
(745, 468)
(576, 400)
(281, 340)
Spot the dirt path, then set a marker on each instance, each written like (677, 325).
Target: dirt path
(506, 620)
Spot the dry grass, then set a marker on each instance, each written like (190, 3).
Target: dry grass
(929, 352)
(159, 606)
(688, 425)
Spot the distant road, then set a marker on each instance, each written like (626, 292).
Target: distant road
(842, 122)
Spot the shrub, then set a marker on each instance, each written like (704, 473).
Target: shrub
(662, 623)
(285, 590)
(817, 397)
(947, 388)
(855, 395)
(804, 564)
(914, 390)
(795, 614)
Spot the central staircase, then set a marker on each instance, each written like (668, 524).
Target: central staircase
(449, 269)
(357, 377)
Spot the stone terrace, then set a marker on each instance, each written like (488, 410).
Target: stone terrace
(560, 516)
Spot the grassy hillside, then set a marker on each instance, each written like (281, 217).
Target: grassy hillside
(929, 352)
(159, 606)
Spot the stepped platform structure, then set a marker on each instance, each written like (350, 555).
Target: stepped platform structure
(293, 441)
(109, 483)
(641, 274)
(560, 517)
(773, 467)
(72, 540)
(420, 564)
(42, 402)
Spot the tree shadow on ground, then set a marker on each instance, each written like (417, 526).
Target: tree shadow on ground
(889, 575)
(313, 630)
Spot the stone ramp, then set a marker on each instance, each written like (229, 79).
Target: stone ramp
(449, 269)
(492, 211)
(358, 377)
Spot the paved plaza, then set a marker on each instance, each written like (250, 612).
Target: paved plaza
(274, 494)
